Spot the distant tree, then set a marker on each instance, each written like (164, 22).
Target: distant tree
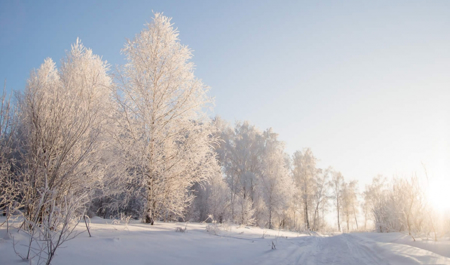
(321, 190)
(240, 155)
(276, 183)
(212, 200)
(305, 175)
(218, 201)
(257, 171)
(10, 189)
(349, 202)
(336, 184)
(374, 195)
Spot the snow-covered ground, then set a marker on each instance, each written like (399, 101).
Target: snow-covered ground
(139, 243)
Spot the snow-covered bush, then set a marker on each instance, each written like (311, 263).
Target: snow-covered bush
(213, 228)
(401, 205)
(10, 189)
(64, 115)
(46, 232)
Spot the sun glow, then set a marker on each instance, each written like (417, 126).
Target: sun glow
(439, 195)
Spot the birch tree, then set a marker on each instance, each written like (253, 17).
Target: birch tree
(240, 154)
(305, 173)
(336, 183)
(321, 191)
(276, 183)
(165, 137)
(349, 202)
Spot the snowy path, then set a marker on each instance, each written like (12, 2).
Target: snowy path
(348, 249)
(160, 244)
(341, 249)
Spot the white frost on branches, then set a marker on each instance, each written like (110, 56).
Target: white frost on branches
(165, 138)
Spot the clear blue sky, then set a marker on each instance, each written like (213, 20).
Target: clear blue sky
(365, 84)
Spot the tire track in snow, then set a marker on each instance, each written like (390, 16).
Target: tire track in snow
(342, 249)
(362, 251)
(339, 250)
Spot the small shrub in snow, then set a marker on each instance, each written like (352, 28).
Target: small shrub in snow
(125, 218)
(180, 229)
(213, 228)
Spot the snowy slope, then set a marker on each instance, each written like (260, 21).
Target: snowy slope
(159, 244)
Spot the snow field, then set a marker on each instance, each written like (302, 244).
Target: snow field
(138, 243)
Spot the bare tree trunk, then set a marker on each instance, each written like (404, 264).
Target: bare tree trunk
(150, 212)
(348, 222)
(306, 215)
(337, 209)
(270, 217)
(356, 219)
(87, 227)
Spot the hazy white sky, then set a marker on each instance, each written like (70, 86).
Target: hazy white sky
(365, 85)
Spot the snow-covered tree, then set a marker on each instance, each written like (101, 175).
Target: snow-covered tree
(336, 183)
(240, 155)
(305, 175)
(218, 201)
(349, 202)
(10, 189)
(258, 174)
(212, 201)
(373, 193)
(165, 138)
(320, 196)
(276, 183)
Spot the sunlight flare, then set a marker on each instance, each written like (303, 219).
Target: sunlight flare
(439, 194)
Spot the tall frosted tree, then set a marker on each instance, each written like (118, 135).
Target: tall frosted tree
(321, 190)
(305, 174)
(240, 154)
(165, 135)
(336, 183)
(349, 202)
(276, 183)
